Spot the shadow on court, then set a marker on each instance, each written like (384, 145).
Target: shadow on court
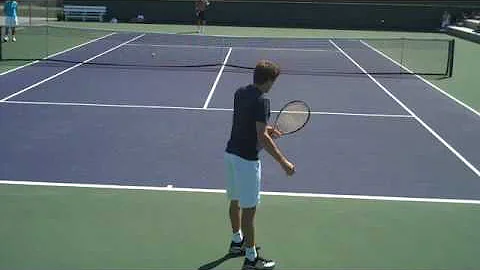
(186, 33)
(217, 262)
(221, 260)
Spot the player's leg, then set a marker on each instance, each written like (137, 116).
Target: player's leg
(249, 174)
(14, 24)
(248, 228)
(13, 34)
(237, 242)
(198, 21)
(250, 179)
(7, 23)
(234, 209)
(204, 24)
(234, 212)
(252, 259)
(201, 18)
(5, 37)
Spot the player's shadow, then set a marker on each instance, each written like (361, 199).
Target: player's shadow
(217, 262)
(186, 33)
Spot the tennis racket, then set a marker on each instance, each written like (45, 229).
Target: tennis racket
(292, 117)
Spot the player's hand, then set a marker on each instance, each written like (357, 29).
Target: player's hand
(274, 133)
(288, 167)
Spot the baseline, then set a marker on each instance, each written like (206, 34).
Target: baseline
(284, 194)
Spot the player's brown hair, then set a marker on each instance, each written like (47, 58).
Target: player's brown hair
(265, 70)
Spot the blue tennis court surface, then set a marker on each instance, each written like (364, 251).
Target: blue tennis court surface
(144, 126)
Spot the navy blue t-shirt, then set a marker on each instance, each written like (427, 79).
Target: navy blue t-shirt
(250, 106)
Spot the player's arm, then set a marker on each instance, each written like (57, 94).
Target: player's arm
(266, 141)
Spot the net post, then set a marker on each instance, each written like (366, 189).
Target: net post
(451, 53)
(47, 43)
(1, 42)
(47, 11)
(29, 13)
(402, 50)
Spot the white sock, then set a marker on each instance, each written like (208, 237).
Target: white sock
(251, 253)
(237, 237)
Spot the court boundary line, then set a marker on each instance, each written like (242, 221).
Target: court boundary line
(69, 69)
(422, 79)
(217, 79)
(191, 108)
(55, 54)
(227, 47)
(267, 193)
(420, 121)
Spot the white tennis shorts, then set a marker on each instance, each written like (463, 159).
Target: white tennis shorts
(11, 21)
(243, 180)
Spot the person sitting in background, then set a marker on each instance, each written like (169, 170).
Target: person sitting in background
(476, 15)
(11, 20)
(446, 19)
(139, 19)
(460, 21)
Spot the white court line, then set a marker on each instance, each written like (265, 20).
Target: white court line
(55, 54)
(423, 79)
(226, 47)
(217, 79)
(335, 113)
(203, 190)
(69, 69)
(427, 127)
(189, 108)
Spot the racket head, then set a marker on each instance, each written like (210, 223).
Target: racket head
(292, 117)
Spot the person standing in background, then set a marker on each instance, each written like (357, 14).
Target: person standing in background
(11, 21)
(200, 7)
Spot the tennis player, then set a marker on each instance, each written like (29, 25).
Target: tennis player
(249, 134)
(200, 7)
(11, 20)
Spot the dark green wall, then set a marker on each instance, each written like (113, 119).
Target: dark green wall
(411, 16)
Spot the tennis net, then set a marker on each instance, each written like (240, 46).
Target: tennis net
(302, 56)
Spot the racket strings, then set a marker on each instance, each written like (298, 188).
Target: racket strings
(293, 117)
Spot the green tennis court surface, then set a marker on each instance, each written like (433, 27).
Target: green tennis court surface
(82, 228)
(40, 42)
